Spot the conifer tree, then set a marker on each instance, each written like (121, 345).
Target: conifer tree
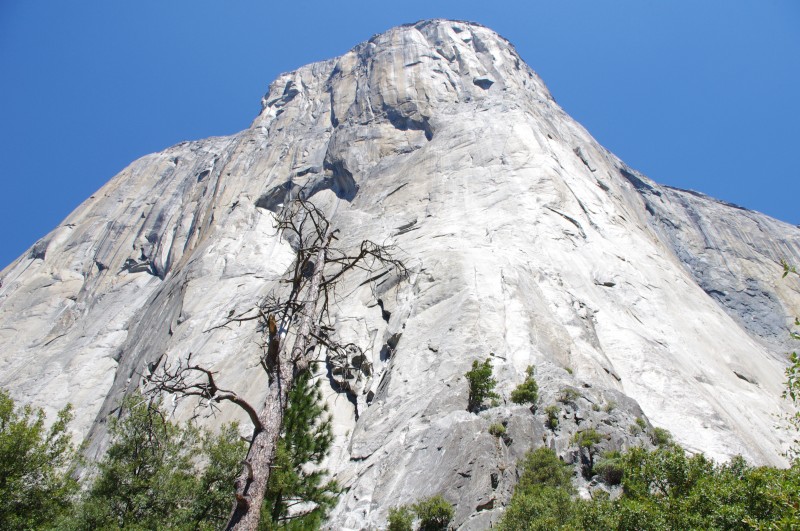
(481, 385)
(299, 498)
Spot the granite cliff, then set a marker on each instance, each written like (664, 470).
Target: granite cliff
(527, 242)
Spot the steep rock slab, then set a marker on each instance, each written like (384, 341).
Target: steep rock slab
(527, 241)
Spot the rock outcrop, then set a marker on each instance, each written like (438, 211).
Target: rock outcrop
(527, 241)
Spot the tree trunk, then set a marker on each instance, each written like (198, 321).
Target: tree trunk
(251, 485)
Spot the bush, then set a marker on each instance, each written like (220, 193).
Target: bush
(542, 498)
(662, 489)
(528, 391)
(481, 385)
(587, 438)
(610, 468)
(400, 519)
(661, 437)
(540, 509)
(552, 412)
(542, 467)
(568, 395)
(497, 429)
(434, 513)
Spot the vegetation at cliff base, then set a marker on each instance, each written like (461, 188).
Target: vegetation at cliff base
(157, 474)
(661, 489)
(432, 514)
(35, 485)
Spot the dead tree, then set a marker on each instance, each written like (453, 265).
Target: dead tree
(296, 314)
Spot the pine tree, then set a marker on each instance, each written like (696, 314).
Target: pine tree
(528, 391)
(297, 498)
(481, 385)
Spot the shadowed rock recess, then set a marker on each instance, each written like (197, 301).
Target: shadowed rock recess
(527, 242)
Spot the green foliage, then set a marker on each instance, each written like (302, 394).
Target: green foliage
(400, 519)
(542, 467)
(662, 489)
(542, 498)
(481, 385)
(568, 395)
(158, 475)
(610, 468)
(539, 509)
(610, 406)
(222, 454)
(792, 392)
(297, 498)
(552, 411)
(528, 391)
(434, 513)
(587, 438)
(497, 429)
(660, 437)
(35, 487)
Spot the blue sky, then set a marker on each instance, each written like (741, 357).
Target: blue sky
(695, 94)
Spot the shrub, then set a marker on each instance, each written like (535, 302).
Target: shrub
(587, 438)
(540, 509)
(400, 519)
(542, 498)
(552, 412)
(542, 467)
(528, 391)
(610, 468)
(662, 489)
(434, 513)
(568, 395)
(660, 437)
(610, 406)
(481, 385)
(497, 429)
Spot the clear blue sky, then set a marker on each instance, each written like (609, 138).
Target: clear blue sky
(695, 94)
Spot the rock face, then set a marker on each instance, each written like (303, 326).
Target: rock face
(528, 243)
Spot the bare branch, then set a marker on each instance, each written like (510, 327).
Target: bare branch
(187, 379)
